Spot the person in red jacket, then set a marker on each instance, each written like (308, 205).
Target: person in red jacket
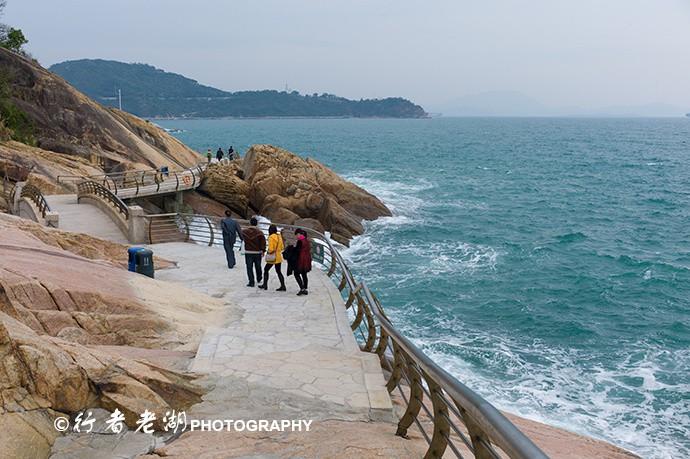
(302, 261)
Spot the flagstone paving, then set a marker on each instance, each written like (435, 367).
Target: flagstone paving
(277, 355)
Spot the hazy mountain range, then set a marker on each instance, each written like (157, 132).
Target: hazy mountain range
(513, 103)
(151, 92)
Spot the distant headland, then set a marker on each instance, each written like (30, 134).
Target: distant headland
(154, 93)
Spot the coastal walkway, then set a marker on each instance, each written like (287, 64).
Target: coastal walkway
(84, 218)
(142, 183)
(278, 355)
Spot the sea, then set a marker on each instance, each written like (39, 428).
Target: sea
(544, 262)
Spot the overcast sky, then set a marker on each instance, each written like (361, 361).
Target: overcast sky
(575, 53)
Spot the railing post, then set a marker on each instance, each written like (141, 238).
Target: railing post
(398, 368)
(439, 440)
(381, 348)
(358, 318)
(371, 324)
(416, 397)
(210, 227)
(331, 270)
(481, 451)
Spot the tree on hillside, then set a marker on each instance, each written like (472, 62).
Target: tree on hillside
(11, 38)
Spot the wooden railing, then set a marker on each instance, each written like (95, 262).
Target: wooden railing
(452, 418)
(135, 183)
(98, 191)
(34, 194)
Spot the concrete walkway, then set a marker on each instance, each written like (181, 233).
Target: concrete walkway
(84, 218)
(278, 355)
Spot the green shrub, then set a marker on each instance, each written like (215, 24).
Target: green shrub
(12, 119)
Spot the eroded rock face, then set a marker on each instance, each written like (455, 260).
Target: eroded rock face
(92, 301)
(45, 166)
(60, 301)
(286, 188)
(42, 376)
(223, 182)
(279, 180)
(66, 121)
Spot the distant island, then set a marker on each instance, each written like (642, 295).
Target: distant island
(154, 93)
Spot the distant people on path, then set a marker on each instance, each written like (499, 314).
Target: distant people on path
(231, 153)
(274, 257)
(209, 155)
(254, 248)
(219, 154)
(230, 229)
(302, 261)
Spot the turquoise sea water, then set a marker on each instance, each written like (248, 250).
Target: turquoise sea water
(544, 262)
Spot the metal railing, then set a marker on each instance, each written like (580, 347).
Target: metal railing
(451, 417)
(8, 188)
(96, 190)
(136, 183)
(34, 194)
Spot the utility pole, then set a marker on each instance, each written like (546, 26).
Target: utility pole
(119, 98)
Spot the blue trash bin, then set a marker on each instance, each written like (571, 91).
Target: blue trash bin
(132, 259)
(144, 263)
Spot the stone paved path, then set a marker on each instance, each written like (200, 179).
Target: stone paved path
(278, 354)
(84, 218)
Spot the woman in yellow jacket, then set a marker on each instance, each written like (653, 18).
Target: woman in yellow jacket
(274, 257)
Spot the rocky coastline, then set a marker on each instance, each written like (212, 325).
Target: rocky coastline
(77, 331)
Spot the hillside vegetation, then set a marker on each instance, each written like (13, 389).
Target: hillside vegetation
(151, 92)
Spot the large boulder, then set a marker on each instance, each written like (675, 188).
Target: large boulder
(282, 184)
(223, 183)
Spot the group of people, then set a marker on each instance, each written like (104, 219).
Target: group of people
(273, 251)
(220, 154)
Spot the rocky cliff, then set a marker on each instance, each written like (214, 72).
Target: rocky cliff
(64, 301)
(67, 122)
(289, 189)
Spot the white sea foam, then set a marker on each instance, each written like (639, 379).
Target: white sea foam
(560, 390)
(400, 197)
(546, 384)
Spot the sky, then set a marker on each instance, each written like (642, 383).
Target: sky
(553, 56)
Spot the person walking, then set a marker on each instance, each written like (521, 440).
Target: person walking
(302, 261)
(274, 257)
(209, 155)
(219, 154)
(231, 153)
(230, 229)
(254, 248)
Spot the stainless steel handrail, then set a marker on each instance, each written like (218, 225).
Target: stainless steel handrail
(32, 193)
(455, 407)
(119, 182)
(93, 189)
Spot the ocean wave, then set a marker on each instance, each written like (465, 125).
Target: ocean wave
(561, 388)
(400, 197)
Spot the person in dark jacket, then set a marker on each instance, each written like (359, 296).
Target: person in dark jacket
(230, 229)
(231, 153)
(254, 248)
(302, 254)
(219, 154)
